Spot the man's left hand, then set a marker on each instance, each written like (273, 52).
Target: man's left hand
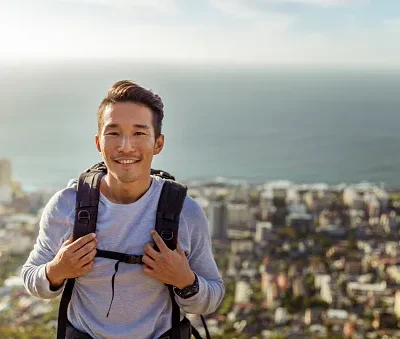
(170, 267)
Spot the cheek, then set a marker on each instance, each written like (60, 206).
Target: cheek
(106, 148)
(146, 146)
(107, 142)
(102, 146)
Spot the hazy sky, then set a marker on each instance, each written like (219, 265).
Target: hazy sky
(335, 32)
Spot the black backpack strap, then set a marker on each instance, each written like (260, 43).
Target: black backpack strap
(196, 333)
(87, 200)
(162, 174)
(169, 209)
(122, 257)
(176, 315)
(205, 327)
(62, 311)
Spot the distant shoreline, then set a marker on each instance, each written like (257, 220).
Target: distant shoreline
(232, 181)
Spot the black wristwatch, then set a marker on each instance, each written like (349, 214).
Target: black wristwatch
(188, 291)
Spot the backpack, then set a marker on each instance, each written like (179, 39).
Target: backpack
(167, 224)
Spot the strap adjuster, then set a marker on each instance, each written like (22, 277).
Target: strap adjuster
(132, 259)
(167, 216)
(84, 216)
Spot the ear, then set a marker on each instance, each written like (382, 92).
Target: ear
(158, 146)
(97, 142)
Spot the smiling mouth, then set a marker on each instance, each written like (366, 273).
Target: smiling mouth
(126, 161)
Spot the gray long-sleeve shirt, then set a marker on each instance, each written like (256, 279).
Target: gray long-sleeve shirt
(141, 307)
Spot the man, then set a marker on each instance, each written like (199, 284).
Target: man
(138, 305)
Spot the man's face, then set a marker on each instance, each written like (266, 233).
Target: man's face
(127, 141)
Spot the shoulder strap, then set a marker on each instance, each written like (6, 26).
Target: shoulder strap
(162, 174)
(169, 209)
(87, 199)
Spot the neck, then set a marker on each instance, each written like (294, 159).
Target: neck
(124, 193)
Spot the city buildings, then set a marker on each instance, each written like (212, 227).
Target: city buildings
(298, 260)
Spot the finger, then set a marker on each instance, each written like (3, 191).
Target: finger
(77, 244)
(68, 241)
(149, 261)
(159, 241)
(148, 271)
(87, 268)
(179, 249)
(150, 251)
(85, 249)
(87, 258)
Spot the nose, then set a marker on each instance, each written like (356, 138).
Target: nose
(126, 145)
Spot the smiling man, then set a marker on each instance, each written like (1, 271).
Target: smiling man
(136, 304)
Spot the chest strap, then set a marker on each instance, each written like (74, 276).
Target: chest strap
(121, 257)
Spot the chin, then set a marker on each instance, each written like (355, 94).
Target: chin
(127, 178)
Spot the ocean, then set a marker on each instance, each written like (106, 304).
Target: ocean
(254, 123)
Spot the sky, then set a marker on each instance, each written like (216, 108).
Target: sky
(290, 32)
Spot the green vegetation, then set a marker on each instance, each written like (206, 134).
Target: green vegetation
(296, 304)
(9, 264)
(394, 197)
(231, 335)
(368, 315)
(28, 332)
(227, 303)
(37, 328)
(286, 232)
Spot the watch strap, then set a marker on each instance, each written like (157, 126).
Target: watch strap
(188, 291)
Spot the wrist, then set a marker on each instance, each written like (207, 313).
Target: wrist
(53, 276)
(188, 291)
(190, 280)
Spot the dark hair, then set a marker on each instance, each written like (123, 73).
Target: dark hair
(128, 91)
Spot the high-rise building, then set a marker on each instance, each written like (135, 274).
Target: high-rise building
(238, 214)
(281, 316)
(263, 229)
(5, 172)
(5, 181)
(242, 290)
(217, 216)
(298, 287)
(302, 224)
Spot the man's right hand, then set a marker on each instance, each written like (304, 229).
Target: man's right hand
(72, 260)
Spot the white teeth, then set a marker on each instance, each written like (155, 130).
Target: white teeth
(126, 162)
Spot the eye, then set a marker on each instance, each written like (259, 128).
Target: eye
(140, 133)
(112, 133)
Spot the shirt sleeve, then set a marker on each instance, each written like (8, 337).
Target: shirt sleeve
(56, 225)
(202, 262)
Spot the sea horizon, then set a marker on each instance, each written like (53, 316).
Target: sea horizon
(249, 123)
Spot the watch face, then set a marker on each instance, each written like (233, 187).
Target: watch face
(191, 290)
(188, 291)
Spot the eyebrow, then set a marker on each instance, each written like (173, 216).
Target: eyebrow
(135, 125)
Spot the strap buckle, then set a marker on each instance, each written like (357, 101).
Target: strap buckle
(132, 259)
